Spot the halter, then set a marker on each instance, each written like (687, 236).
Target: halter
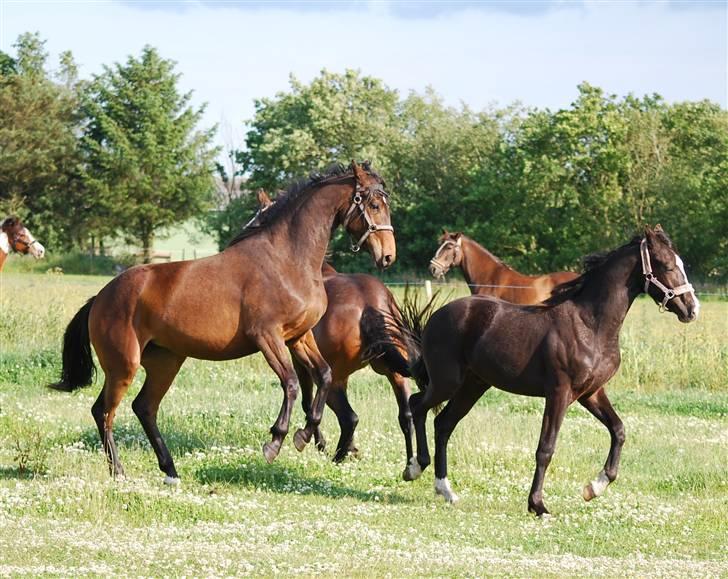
(357, 202)
(439, 264)
(16, 239)
(668, 293)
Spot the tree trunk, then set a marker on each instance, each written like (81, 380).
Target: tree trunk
(147, 243)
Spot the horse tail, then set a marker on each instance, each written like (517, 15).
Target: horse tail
(78, 363)
(401, 329)
(379, 343)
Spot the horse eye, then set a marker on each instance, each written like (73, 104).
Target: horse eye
(375, 206)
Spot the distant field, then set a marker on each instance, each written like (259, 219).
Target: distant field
(234, 514)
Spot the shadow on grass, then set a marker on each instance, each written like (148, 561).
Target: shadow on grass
(14, 473)
(287, 480)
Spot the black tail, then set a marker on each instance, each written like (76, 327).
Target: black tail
(377, 343)
(78, 363)
(403, 327)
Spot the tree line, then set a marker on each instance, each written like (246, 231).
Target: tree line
(123, 155)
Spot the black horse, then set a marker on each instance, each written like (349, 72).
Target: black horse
(563, 350)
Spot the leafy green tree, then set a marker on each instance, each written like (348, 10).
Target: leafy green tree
(335, 118)
(147, 164)
(39, 153)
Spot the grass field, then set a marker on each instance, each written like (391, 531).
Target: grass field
(60, 514)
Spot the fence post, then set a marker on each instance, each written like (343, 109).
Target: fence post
(428, 289)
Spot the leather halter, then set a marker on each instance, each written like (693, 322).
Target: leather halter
(458, 244)
(362, 194)
(668, 293)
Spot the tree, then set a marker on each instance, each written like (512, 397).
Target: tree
(335, 118)
(146, 163)
(39, 153)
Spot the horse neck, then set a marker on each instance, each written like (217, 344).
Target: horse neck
(608, 295)
(308, 227)
(478, 264)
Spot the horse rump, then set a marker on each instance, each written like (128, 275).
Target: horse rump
(78, 363)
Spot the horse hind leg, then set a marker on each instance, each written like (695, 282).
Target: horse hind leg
(445, 423)
(600, 407)
(104, 410)
(402, 394)
(161, 367)
(338, 401)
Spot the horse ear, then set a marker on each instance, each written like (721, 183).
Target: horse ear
(263, 199)
(359, 173)
(445, 231)
(658, 227)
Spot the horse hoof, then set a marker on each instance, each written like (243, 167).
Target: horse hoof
(412, 471)
(270, 452)
(539, 510)
(300, 440)
(442, 488)
(588, 493)
(172, 481)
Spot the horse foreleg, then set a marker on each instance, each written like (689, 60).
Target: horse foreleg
(306, 384)
(554, 411)
(307, 353)
(599, 406)
(274, 350)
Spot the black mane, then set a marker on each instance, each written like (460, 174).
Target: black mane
(286, 201)
(592, 263)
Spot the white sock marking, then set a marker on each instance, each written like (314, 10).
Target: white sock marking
(172, 481)
(600, 484)
(442, 487)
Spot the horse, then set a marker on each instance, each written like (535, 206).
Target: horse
(487, 275)
(14, 236)
(563, 350)
(263, 293)
(345, 337)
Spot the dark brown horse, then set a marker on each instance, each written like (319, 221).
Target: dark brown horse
(14, 236)
(264, 293)
(345, 336)
(564, 350)
(486, 275)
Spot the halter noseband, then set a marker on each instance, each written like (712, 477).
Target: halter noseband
(668, 293)
(434, 261)
(360, 195)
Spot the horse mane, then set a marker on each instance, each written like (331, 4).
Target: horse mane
(591, 265)
(286, 202)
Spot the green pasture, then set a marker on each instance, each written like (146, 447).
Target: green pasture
(60, 514)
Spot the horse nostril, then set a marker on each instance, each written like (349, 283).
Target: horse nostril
(387, 260)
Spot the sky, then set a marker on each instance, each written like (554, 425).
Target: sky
(478, 53)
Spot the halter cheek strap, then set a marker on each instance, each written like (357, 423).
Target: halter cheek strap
(434, 261)
(357, 202)
(668, 293)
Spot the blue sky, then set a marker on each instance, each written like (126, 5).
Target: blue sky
(479, 53)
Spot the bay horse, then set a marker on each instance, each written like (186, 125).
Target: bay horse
(263, 293)
(14, 236)
(563, 350)
(346, 336)
(487, 275)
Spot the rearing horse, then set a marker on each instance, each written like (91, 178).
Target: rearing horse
(264, 293)
(486, 275)
(14, 236)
